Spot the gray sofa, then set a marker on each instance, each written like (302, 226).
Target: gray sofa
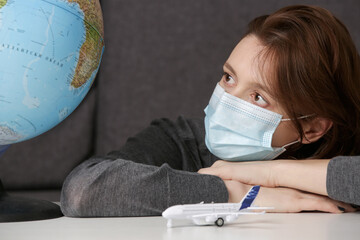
(162, 59)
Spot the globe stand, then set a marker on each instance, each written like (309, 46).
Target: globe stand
(17, 209)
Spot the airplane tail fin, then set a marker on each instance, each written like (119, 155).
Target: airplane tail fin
(249, 197)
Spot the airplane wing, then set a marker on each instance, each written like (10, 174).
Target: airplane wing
(220, 218)
(258, 208)
(224, 214)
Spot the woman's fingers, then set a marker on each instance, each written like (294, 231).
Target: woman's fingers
(245, 172)
(223, 172)
(290, 201)
(219, 163)
(336, 206)
(308, 204)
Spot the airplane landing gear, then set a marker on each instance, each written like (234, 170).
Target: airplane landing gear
(219, 222)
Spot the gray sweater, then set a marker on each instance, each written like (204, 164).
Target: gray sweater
(157, 169)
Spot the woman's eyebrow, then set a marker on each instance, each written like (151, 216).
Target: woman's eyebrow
(227, 65)
(256, 84)
(260, 86)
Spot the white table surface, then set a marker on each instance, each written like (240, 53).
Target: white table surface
(268, 226)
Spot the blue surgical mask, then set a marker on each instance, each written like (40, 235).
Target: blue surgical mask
(237, 130)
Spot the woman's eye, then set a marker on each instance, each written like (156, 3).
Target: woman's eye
(259, 100)
(228, 79)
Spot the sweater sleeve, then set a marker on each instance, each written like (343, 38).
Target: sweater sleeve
(343, 179)
(152, 171)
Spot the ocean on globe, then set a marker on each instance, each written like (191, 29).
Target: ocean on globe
(50, 52)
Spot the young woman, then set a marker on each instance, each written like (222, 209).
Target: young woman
(289, 91)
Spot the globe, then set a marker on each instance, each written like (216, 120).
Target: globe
(50, 52)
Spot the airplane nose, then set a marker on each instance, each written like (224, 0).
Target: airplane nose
(165, 213)
(172, 211)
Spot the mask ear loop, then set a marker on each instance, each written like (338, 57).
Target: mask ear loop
(302, 117)
(289, 144)
(289, 119)
(282, 149)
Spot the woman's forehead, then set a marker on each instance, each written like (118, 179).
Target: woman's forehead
(251, 60)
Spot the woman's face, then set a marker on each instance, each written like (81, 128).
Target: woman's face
(242, 78)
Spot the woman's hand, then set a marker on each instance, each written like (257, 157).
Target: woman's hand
(286, 200)
(305, 175)
(240, 176)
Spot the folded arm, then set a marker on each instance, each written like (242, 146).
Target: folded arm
(103, 187)
(154, 170)
(337, 178)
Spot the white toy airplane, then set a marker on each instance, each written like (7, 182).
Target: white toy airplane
(214, 213)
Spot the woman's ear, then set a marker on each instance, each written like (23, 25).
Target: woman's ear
(315, 129)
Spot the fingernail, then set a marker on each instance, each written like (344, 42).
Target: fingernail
(341, 209)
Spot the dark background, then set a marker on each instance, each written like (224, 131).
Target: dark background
(162, 59)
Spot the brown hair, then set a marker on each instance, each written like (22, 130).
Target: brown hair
(317, 69)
